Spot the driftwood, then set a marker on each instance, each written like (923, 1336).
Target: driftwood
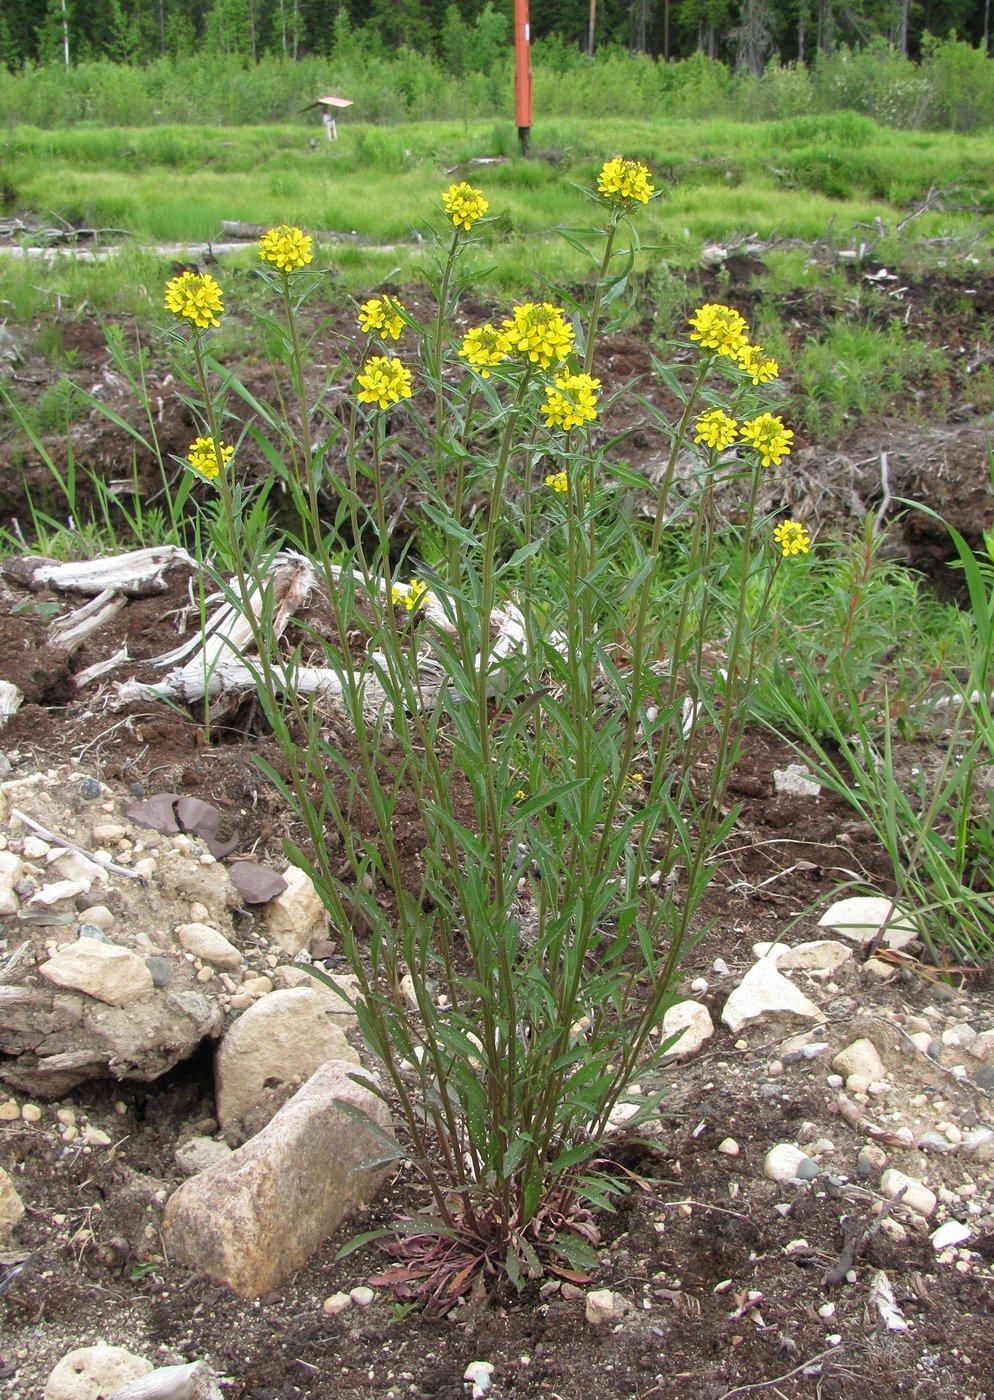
(135, 575)
(70, 632)
(10, 701)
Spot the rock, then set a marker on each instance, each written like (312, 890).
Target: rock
(337, 1303)
(73, 865)
(297, 915)
(953, 1232)
(194, 1381)
(58, 891)
(161, 971)
(820, 955)
(862, 1058)
(860, 918)
(795, 781)
(94, 1373)
(276, 1044)
(982, 1046)
(103, 970)
(763, 991)
(784, 1161)
(692, 1021)
(917, 1196)
(604, 1306)
(199, 1153)
(479, 1375)
(11, 1206)
(728, 1147)
(362, 1296)
(206, 943)
(979, 1142)
(871, 1161)
(252, 1220)
(11, 872)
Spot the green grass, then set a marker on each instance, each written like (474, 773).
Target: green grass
(795, 179)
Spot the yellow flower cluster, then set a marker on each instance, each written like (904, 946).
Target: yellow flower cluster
(625, 182)
(483, 347)
(759, 366)
(382, 315)
(385, 381)
(558, 482)
(195, 296)
(716, 429)
(464, 205)
(286, 247)
(573, 402)
(768, 436)
(792, 537)
(206, 458)
(719, 328)
(539, 333)
(414, 596)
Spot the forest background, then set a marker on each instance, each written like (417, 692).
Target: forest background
(906, 63)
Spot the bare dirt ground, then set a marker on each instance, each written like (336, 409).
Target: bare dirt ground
(738, 1284)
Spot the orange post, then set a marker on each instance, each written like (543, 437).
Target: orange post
(522, 73)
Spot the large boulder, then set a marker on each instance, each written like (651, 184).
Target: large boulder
(250, 1221)
(273, 1047)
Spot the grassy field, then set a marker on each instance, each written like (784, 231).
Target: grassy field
(838, 177)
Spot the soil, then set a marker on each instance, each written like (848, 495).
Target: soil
(729, 1274)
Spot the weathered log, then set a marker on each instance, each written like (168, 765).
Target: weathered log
(136, 574)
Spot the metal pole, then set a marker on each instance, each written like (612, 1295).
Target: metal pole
(522, 73)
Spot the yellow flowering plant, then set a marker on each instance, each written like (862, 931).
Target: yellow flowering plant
(526, 669)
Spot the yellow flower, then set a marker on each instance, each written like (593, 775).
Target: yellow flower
(384, 382)
(572, 402)
(716, 429)
(196, 296)
(206, 458)
(539, 333)
(625, 182)
(559, 483)
(520, 795)
(382, 314)
(757, 364)
(482, 346)
(414, 596)
(286, 247)
(769, 437)
(792, 537)
(464, 204)
(719, 328)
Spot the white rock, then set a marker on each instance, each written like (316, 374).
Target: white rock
(296, 916)
(917, 1196)
(603, 1306)
(199, 1153)
(94, 1373)
(774, 951)
(795, 781)
(362, 1296)
(479, 1375)
(194, 1381)
(59, 891)
(11, 1206)
(783, 1161)
(820, 955)
(276, 1044)
(979, 1142)
(861, 1058)
(949, 1234)
(692, 1021)
(102, 970)
(208, 944)
(860, 917)
(728, 1147)
(765, 992)
(250, 1221)
(11, 870)
(73, 865)
(337, 1303)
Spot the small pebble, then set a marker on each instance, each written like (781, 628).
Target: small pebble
(31, 1113)
(729, 1147)
(337, 1303)
(362, 1296)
